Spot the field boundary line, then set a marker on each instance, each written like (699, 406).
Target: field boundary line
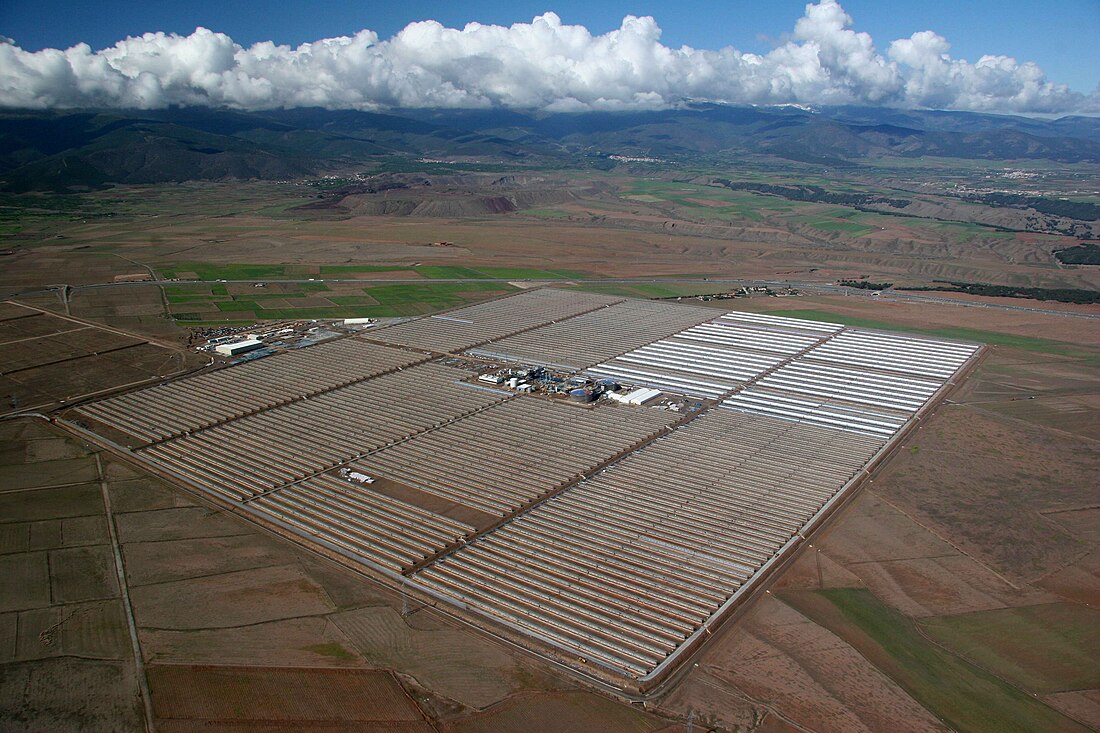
(94, 324)
(43, 336)
(74, 358)
(124, 594)
(943, 539)
(993, 413)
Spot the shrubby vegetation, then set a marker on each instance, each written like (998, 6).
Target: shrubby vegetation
(1062, 295)
(814, 194)
(1055, 207)
(863, 284)
(1082, 254)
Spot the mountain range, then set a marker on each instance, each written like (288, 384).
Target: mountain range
(80, 150)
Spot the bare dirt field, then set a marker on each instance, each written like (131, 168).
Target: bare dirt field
(973, 552)
(560, 712)
(964, 559)
(47, 359)
(187, 697)
(1056, 334)
(66, 659)
(208, 589)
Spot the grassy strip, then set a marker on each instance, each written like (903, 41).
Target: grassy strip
(1046, 648)
(272, 296)
(526, 273)
(196, 323)
(213, 272)
(1027, 343)
(447, 272)
(380, 301)
(348, 311)
(237, 305)
(441, 295)
(496, 273)
(196, 289)
(337, 269)
(188, 298)
(208, 271)
(962, 695)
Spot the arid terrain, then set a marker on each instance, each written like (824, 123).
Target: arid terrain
(957, 590)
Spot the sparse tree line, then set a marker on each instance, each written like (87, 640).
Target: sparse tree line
(1061, 295)
(864, 284)
(813, 194)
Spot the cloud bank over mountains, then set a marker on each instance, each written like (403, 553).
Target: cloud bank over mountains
(543, 65)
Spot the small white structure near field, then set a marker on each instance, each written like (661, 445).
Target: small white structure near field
(358, 321)
(238, 347)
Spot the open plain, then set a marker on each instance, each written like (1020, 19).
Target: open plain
(956, 588)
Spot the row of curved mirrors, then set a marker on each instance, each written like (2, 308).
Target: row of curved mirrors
(613, 535)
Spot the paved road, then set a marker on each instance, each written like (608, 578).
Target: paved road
(891, 295)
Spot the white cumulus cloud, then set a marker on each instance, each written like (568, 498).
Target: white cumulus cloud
(544, 64)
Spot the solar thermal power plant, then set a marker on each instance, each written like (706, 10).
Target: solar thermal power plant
(559, 442)
(712, 358)
(579, 342)
(612, 537)
(495, 319)
(175, 408)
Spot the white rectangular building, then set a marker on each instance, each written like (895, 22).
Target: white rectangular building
(639, 396)
(238, 347)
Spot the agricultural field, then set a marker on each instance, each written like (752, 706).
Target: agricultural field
(48, 359)
(186, 697)
(895, 571)
(563, 225)
(67, 658)
(228, 617)
(972, 553)
(209, 304)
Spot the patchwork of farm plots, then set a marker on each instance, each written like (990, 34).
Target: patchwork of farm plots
(612, 536)
(48, 358)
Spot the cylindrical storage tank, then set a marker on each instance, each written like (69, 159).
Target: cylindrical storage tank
(581, 395)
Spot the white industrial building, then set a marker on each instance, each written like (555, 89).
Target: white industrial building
(238, 347)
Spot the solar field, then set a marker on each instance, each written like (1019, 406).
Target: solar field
(613, 537)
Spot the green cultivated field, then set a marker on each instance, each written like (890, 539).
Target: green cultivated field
(524, 273)
(200, 302)
(1046, 648)
(964, 696)
(713, 202)
(288, 301)
(210, 271)
(446, 272)
(828, 222)
(213, 272)
(347, 269)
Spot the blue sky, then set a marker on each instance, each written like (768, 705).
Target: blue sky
(1062, 36)
(567, 55)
